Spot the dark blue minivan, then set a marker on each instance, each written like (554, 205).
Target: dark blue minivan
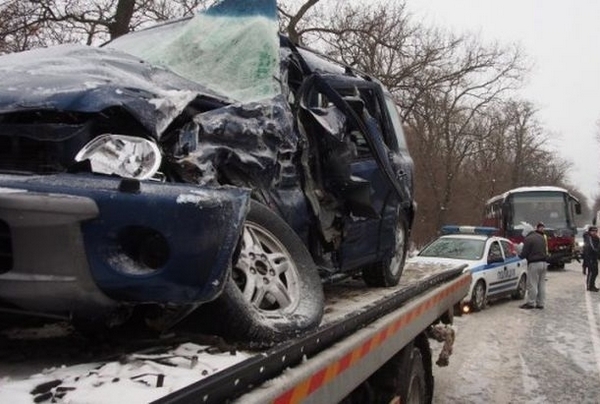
(199, 165)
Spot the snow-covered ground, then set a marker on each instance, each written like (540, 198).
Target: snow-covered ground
(504, 354)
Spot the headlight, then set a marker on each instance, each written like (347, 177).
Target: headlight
(125, 156)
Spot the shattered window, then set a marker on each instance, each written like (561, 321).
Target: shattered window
(235, 56)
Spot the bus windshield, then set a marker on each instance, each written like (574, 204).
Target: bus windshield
(547, 207)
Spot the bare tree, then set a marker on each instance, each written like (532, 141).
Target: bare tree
(28, 24)
(292, 17)
(452, 116)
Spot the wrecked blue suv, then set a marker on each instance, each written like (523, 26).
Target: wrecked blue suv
(175, 169)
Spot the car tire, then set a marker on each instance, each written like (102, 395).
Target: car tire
(275, 291)
(388, 272)
(519, 293)
(402, 378)
(478, 296)
(413, 385)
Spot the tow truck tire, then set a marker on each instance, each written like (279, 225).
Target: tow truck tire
(388, 272)
(412, 388)
(402, 379)
(275, 291)
(519, 294)
(478, 298)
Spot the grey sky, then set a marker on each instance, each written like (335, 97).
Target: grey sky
(562, 39)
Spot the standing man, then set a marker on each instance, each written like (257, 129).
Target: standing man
(535, 251)
(591, 254)
(586, 237)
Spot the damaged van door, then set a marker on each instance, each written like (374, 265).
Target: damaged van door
(359, 156)
(347, 121)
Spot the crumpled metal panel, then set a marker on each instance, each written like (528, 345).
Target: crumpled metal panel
(256, 140)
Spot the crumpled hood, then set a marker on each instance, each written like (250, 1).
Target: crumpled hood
(87, 79)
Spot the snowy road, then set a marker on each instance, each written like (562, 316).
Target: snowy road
(508, 355)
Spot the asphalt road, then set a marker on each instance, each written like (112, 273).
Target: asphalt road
(504, 354)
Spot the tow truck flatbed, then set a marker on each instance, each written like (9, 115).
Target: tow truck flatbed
(362, 330)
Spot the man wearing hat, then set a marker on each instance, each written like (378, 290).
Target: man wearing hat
(535, 251)
(591, 254)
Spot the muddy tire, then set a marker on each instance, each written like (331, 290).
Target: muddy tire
(275, 291)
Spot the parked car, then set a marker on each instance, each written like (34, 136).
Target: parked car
(143, 177)
(493, 261)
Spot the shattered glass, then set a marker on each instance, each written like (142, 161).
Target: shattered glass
(216, 51)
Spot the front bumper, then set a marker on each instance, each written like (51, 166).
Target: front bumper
(77, 244)
(563, 256)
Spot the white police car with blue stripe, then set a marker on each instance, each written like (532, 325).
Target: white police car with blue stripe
(493, 261)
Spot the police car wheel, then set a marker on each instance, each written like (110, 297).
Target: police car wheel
(519, 293)
(478, 297)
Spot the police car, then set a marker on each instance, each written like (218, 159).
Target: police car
(493, 261)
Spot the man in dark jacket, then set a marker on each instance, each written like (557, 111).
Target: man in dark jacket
(535, 251)
(591, 254)
(586, 237)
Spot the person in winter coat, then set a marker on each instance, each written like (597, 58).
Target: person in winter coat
(535, 251)
(586, 237)
(591, 254)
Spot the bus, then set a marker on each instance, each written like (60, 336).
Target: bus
(516, 212)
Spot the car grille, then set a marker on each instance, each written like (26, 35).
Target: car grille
(6, 254)
(28, 155)
(39, 143)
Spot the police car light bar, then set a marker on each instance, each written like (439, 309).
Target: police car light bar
(485, 231)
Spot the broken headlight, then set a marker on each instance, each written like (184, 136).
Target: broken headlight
(125, 156)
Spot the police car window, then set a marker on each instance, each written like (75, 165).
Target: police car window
(508, 248)
(495, 250)
(456, 248)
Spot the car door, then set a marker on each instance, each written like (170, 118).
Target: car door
(363, 162)
(515, 266)
(496, 270)
(373, 166)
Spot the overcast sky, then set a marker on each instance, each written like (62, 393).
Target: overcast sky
(562, 39)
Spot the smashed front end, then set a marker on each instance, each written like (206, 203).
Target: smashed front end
(90, 219)
(86, 245)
